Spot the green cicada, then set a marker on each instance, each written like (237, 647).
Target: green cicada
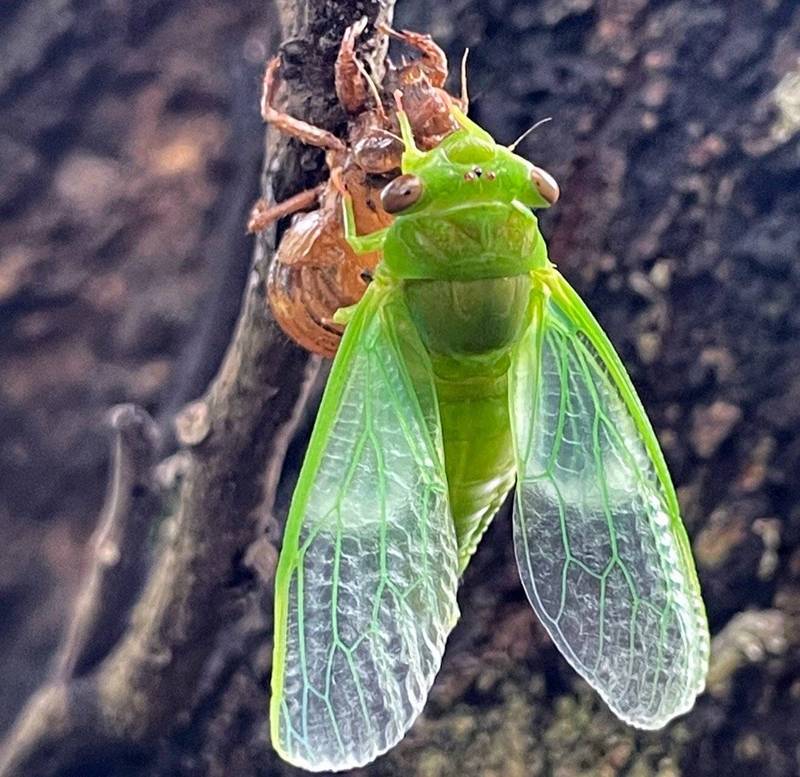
(470, 365)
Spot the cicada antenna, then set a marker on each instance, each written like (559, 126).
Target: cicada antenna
(464, 92)
(528, 132)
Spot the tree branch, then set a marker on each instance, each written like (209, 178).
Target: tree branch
(119, 545)
(237, 436)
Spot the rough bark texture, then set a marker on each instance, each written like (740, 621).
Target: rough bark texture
(129, 156)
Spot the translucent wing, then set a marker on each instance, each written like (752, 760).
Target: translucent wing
(600, 545)
(366, 583)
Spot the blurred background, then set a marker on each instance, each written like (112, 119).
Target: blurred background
(130, 151)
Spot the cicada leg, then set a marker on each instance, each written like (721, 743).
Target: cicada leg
(464, 99)
(361, 244)
(262, 214)
(350, 87)
(289, 125)
(434, 60)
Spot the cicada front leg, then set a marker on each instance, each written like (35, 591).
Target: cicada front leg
(289, 125)
(351, 88)
(427, 104)
(262, 214)
(434, 60)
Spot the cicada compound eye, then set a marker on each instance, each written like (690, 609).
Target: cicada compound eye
(546, 185)
(401, 193)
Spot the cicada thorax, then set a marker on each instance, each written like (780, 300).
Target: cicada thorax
(315, 271)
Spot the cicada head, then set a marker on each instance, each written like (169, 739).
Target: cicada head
(469, 167)
(462, 211)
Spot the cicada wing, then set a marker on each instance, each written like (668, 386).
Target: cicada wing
(367, 578)
(601, 549)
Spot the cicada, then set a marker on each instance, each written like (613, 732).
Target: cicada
(469, 366)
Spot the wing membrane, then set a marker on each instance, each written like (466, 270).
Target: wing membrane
(602, 552)
(366, 583)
